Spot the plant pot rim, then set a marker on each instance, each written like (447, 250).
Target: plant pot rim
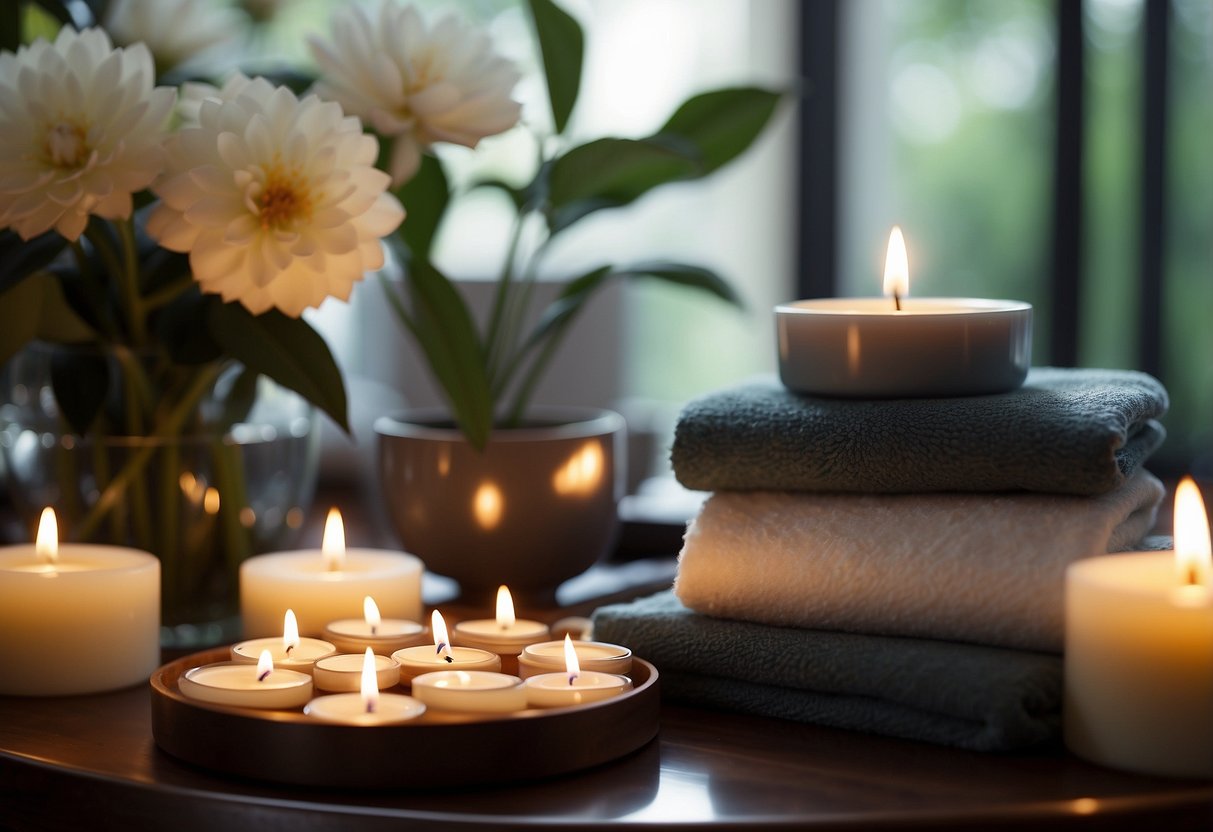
(557, 423)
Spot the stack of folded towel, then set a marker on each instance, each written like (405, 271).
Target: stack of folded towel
(896, 566)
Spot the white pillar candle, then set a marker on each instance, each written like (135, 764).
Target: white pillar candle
(471, 691)
(369, 707)
(574, 686)
(598, 656)
(900, 346)
(1139, 653)
(505, 634)
(442, 656)
(383, 635)
(247, 685)
(289, 651)
(76, 618)
(343, 672)
(327, 584)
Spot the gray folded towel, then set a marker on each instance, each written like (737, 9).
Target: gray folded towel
(962, 695)
(1065, 431)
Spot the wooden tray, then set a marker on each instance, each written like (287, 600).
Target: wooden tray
(436, 750)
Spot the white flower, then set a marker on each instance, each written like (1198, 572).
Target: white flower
(276, 199)
(417, 84)
(174, 30)
(80, 131)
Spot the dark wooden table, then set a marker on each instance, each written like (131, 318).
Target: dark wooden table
(91, 762)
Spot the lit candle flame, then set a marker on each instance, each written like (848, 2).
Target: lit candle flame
(332, 545)
(896, 268)
(290, 632)
(1193, 553)
(265, 665)
(370, 682)
(370, 613)
(505, 608)
(46, 544)
(442, 642)
(572, 666)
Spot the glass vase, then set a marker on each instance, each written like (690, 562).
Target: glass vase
(202, 499)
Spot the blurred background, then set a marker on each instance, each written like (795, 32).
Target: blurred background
(1053, 151)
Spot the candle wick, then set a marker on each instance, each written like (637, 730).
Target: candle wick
(370, 707)
(572, 678)
(289, 648)
(265, 673)
(374, 630)
(896, 300)
(1193, 578)
(448, 658)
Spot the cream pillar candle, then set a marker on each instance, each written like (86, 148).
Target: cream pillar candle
(326, 585)
(76, 618)
(900, 346)
(1139, 653)
(505, 635)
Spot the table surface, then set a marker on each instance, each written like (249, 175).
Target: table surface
(63, 759)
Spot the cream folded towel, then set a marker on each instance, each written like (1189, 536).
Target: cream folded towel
(981, 568)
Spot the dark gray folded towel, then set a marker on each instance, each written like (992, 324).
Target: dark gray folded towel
(962, 695)
(1065, 431)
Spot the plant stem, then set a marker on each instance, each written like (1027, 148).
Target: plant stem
(130, 281)
(170, 427)
(501, 299)
(166, 294)
(136, 395)
(527, 388)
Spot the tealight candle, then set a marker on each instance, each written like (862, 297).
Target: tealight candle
(574, 686)
(343, 672)
(470, 690)
(598, 656)
(245, 685)
(384, 636)
(77, 618)
(901, 346)
(369, 707)
(442, 656)
(504, 635)
(290, 651)
(327, 585)
(1139, 653)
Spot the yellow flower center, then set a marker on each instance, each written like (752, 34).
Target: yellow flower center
(285, 200)
(66, 146)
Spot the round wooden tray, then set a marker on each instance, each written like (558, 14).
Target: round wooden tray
(436, 750)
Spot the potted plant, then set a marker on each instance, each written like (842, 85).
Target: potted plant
(492, 489)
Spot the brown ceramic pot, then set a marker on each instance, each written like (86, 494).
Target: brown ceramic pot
(536, 507)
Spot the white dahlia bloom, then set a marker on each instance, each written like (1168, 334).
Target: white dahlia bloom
(276, 199)
(416, 84)
(81, 129)
(174, 30)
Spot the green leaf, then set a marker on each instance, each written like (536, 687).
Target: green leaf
(19, 258)
(20, 311)
(608, 173)
(182, 326)
(517, 196)
(721, 124)
(565, 306)
(239, 398)
(81, 382)
(286, 349)
(425, 199)
(447, 334)
(561, 46)
(682, 274)
(35, 308)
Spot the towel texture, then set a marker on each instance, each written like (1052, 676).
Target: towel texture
(981, 698)
(982, 568)
(1065, 431)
